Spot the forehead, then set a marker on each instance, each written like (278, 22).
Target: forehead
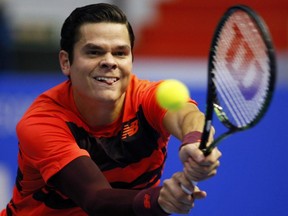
(103, 31)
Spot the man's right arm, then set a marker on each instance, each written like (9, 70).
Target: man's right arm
(83, 182)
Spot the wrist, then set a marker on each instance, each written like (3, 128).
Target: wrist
(191, 137)
(146, 203)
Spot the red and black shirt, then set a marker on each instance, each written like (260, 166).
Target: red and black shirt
(130, 152)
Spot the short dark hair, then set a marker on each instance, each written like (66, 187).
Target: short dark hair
(94, 13)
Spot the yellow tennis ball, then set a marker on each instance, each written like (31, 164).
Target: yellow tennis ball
(172, 94)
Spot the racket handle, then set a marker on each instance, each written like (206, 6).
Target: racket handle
(194, 182)
(186, 190)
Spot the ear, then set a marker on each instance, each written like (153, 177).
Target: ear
(64, 62)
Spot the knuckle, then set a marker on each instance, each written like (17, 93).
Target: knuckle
(166, 182)
(176, 175)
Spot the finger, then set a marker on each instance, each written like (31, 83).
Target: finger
(196, 172)
(212, 133)
(198, 176)
(194, 176)
(173, 186)
(210, 161)
(170, 208)
(186, 190)
(173, 199)
(194, 152)
(186, 184)
(214, 155)
(192, 172)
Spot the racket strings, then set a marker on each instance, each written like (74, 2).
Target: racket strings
(241, 70)
(231, 101)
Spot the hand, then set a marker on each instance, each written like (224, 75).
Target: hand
(197, 167)
(173, 199)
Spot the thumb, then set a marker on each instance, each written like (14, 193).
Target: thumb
(199, 194)
(195, 153)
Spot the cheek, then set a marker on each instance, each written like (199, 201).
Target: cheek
(78, 76)
(126, 70)
(127, 63)
(80, 68)
(125, 82)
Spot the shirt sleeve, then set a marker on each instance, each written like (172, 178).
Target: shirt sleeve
(153, 112)
(47, 144)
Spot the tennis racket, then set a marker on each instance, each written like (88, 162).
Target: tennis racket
(241, 73)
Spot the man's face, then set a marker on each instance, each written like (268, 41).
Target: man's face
(102, 62)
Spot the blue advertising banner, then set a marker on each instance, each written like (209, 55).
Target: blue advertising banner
(252, 178)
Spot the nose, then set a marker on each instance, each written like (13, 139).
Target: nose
(108, 62)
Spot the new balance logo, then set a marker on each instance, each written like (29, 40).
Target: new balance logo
(147, 201)
(130, 128)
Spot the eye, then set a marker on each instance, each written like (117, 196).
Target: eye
(94, 52)
(120, 53)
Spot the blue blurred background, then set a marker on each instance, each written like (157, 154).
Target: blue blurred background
(173, 38)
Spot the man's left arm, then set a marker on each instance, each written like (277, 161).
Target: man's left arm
(187, 125)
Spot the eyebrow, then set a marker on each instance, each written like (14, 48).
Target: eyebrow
(95, 46)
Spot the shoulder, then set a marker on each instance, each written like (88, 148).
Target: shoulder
(48, 114)
(141, 93)
(56, 102)
(139, 87)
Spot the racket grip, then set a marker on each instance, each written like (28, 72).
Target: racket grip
(186, 190)
(194, 183)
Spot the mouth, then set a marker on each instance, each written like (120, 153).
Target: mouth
(107, 80)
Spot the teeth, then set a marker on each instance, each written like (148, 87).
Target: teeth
(106, 79)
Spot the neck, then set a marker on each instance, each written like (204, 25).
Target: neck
(99, 113)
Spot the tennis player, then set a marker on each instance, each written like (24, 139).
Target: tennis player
(96, 144)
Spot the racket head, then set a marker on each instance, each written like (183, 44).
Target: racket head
(241, 72)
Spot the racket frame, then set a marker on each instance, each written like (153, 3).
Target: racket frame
(212, 104)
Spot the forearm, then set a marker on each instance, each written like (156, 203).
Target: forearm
(83, 182)
(186, 120)
(187, 125)
(111, 202)
(192, 121)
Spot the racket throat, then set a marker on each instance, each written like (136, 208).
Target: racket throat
(215, 143)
